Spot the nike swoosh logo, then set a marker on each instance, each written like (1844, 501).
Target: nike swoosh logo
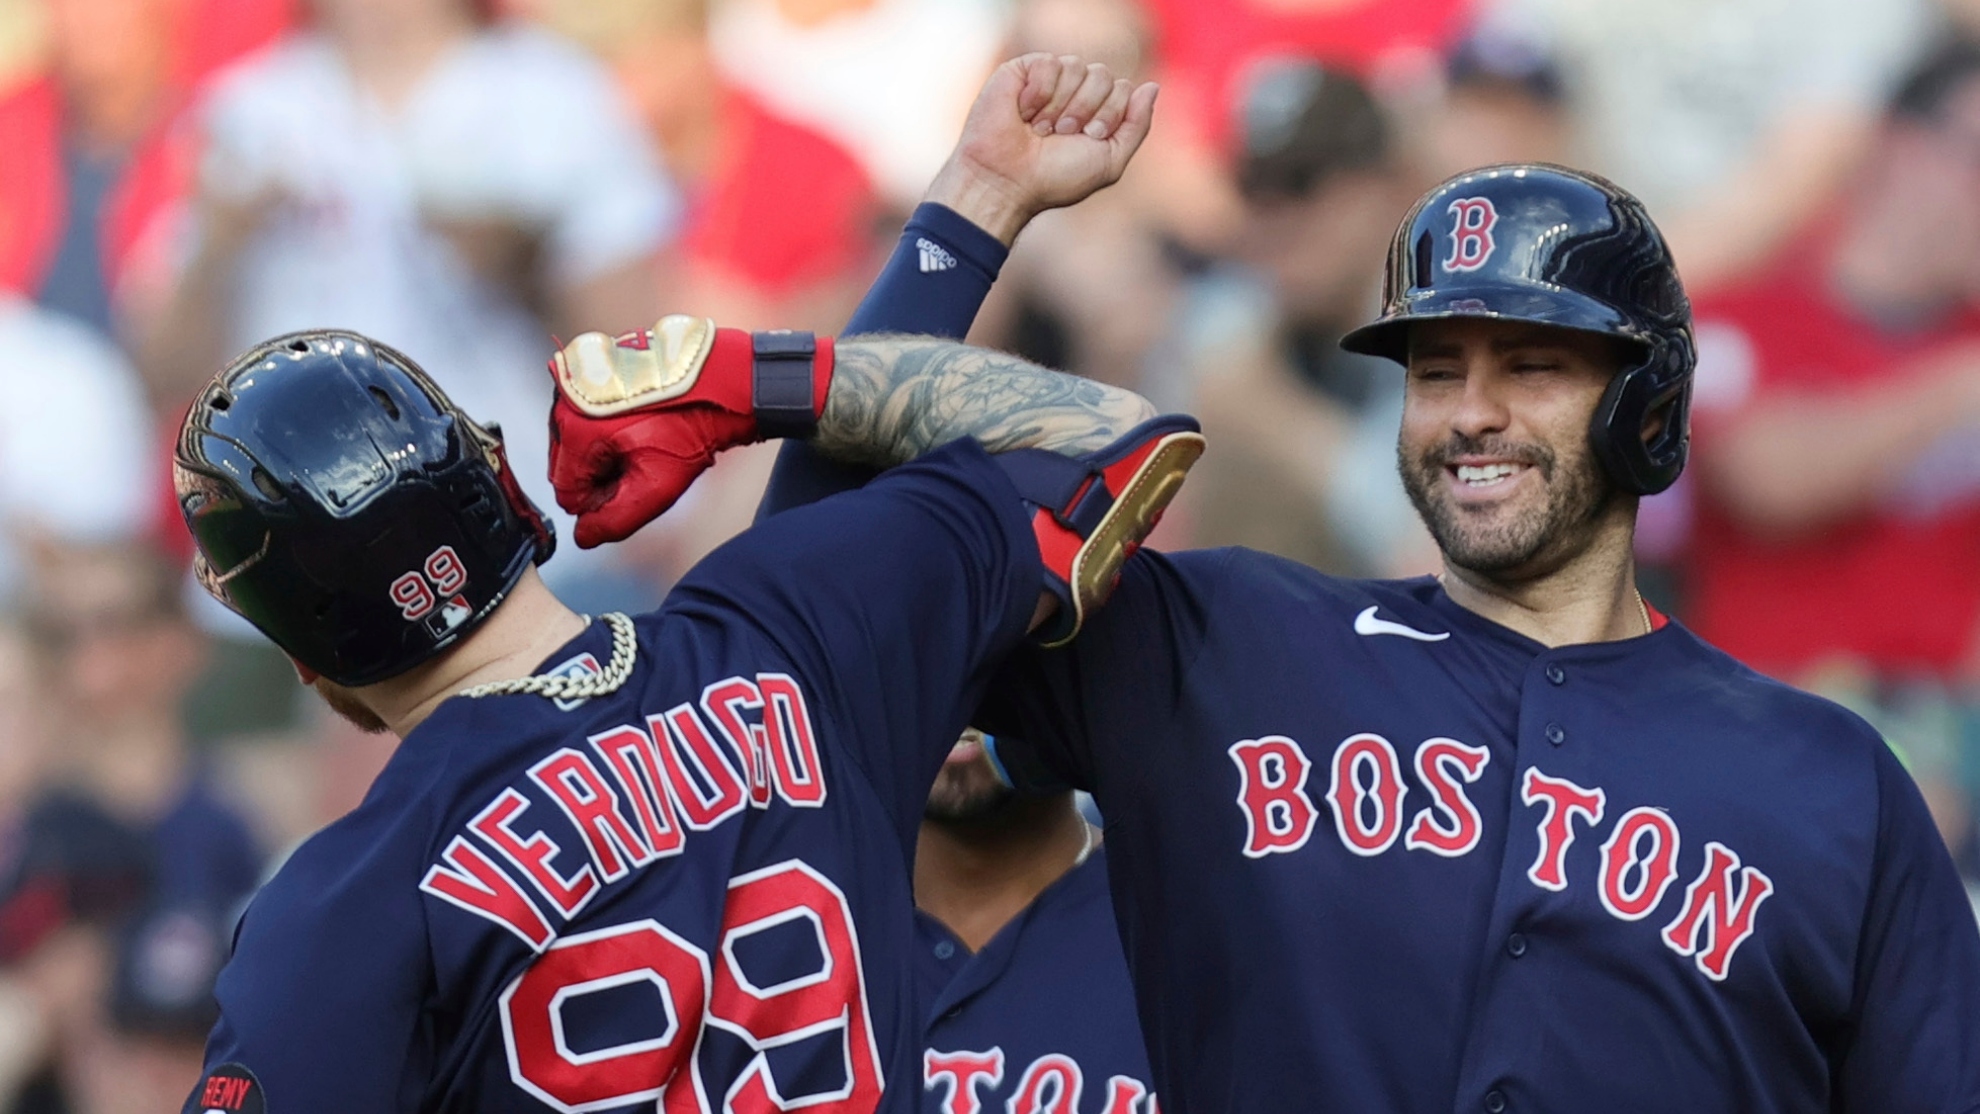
(1367, 623)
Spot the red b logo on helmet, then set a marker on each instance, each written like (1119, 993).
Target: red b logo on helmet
(1471, 235)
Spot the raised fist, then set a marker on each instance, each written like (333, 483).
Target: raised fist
(1046, 131)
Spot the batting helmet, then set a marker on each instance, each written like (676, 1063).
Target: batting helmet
(347, 508)
(1540, 243)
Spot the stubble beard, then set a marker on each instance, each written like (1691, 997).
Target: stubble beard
(1524, 544)
(967, 794)
(346, 704)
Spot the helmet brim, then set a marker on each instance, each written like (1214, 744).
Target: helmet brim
(1535, 304)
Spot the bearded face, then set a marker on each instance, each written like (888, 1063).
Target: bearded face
(1494, 447)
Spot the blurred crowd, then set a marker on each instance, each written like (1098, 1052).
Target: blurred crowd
(466, 179)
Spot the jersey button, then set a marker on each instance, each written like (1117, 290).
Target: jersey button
(1556, 674)
(944, 950)
(1495, 1102)
(1556, 734)
(1516, 945)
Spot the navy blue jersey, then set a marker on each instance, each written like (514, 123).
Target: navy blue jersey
(1374, 852)
(1041, 1021)
(694, 890)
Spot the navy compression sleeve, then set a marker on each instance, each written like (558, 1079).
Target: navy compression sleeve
(933, 285)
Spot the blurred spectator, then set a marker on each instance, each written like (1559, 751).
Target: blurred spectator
(1733, 120)
(1838, 405)
(1502, 102)
(90, 159)
(782, 219)
(1305, 465)
(1211, 49)
(76, 459)
(890, 80)
(120, 655)
(410, 169)
(121, 873)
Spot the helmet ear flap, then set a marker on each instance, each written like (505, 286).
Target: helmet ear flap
(1638, 398)
(543, 532)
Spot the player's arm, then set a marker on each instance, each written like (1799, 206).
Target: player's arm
(637, 418)
(896, 397)
(1002, 173)
(1916, 1009)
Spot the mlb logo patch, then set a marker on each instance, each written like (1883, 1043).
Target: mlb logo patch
(583, 665)
(452, 614)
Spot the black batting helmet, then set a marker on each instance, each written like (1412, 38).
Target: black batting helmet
(347, 508)
(1540, 243)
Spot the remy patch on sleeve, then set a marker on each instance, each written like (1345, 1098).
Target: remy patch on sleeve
(227, 1089)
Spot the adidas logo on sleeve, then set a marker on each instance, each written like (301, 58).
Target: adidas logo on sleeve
(934, 257)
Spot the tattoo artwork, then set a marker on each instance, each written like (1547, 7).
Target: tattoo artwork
(896, 397)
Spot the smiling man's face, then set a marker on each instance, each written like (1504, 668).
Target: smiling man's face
(1494, 443)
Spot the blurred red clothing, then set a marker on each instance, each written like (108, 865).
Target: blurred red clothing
(33, 193)
(1895, 586)
(783, 207)
(1205, 46)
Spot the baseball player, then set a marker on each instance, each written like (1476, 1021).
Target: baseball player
(624, 862)
(1029, 1004)
(1504, 838)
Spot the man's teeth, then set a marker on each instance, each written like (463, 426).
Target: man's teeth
(1481, 474)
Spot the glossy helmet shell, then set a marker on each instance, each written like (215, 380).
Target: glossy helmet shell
(1554, 246)
(346, 507)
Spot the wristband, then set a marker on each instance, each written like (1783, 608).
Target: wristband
(940, 272)
(780, 386)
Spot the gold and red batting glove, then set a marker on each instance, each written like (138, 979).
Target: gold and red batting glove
(639, 416)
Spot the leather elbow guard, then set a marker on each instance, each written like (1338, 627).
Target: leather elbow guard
(1090, 513)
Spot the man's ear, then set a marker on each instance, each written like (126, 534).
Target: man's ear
(1654, 424)
(304, 673)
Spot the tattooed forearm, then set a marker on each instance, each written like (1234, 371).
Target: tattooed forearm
(896, 397)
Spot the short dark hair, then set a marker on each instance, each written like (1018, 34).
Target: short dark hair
(1923, 94)
(1299, 123)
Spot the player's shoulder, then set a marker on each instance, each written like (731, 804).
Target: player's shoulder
(1247, 578)
(1750, 702)
(364, 866)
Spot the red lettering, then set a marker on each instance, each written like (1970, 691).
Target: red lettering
(1731, 919)
(793, 748)
(1051, 1085)
(532, 856)
(1564, 800)
(723, 702)
(1350, 798)
(467, 878)
(692, 761)
(1440, 763)
(635, 762)
(1124, 1093)
(533, 1025)
(580, 791)
(1278, 815)
(1471, 233)
(1655, 866)
(960, 1072)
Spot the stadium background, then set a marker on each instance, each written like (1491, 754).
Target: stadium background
(467, 178)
